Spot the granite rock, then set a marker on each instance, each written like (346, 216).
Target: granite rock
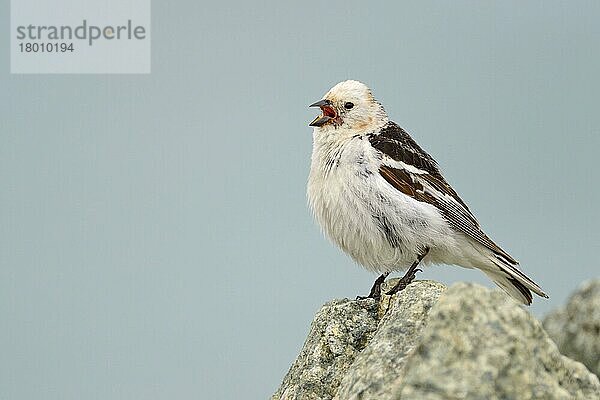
(428, 342)
(480, 344)
(576, 327)
(339, 331)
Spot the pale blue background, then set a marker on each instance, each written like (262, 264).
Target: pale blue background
(156, 242)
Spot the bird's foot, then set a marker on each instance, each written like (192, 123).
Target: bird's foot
(404, 282)
(409, 276)
(375, 292)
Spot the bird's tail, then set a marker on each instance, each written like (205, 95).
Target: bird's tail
(506, 274)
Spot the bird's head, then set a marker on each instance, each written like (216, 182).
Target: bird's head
(349, 105)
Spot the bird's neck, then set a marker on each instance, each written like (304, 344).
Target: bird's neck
(328, 148)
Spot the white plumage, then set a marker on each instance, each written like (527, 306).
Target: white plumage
(371, 217)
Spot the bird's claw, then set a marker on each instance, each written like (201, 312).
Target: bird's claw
(404, 282)
(369, 296)
(375, 292)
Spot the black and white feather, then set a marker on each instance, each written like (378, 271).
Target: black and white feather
(381, 198)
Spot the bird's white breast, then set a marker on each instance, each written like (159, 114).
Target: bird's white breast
(378, 226)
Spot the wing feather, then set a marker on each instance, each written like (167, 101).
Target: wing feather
(412, 171)
(447, 202)
(429, 185)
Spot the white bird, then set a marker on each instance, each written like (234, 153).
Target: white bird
(383, 200)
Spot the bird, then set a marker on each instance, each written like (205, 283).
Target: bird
(383, 200)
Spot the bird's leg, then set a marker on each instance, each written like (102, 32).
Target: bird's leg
(409, 276)
(375, 292)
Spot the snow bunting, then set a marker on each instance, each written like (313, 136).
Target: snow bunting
(383, 200)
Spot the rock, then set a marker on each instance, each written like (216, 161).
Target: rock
(369, 376)
(466, 342)
(480, 344)
(339, 331)
(576, 327)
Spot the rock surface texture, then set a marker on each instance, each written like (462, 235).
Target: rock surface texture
(576, 327)
(428, 342)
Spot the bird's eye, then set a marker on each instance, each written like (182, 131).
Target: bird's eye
(348, 105)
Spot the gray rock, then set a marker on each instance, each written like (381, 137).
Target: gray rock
(576, 327)
(480, 344)
(466, 342)
(371, 374)
(339, 331)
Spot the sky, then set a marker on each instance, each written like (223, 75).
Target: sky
(155, 237)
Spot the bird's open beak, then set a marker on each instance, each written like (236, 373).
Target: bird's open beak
(320, 103)
(328, 113)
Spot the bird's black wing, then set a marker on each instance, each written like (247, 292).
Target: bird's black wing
(397, 144)
(416, 174)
